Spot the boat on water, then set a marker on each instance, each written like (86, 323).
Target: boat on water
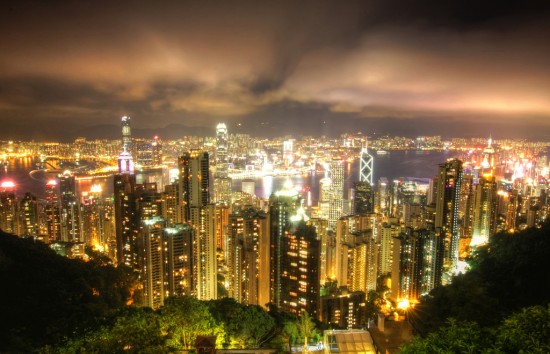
(381, 152)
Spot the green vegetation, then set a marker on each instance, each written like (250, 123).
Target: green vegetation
(52, 304)
(496, 306)
(46, 297)
(527, 331)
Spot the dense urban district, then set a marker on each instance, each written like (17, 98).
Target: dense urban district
(209, 243)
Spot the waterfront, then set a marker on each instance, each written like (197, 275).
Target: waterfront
(393, 165)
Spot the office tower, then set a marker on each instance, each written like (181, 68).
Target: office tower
(52, 213)
(144, 153)
(432, 191)
(178, 260)
(288, 152)
(414, 270)
(222, 183)
(363, 198)
(29, 215)
(151, 261)
(8, 207)
(222, 190)
(248, 186)
(222, 147)
(157, 151)
(484, 207)
(325, 193)
(70, 208)
(383, 196)
(447, 206)
(366, 166)
(126, 135)
(336, 199)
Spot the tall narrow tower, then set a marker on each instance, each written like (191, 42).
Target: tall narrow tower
(195, 183)
(447, 207)
(222, 145)
(126, 135)
(366, 166)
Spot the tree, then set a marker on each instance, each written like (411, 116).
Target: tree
(290, 333)
(306, 326)
(375, 301)
(507, 274)
(527, 331)
(182, 319)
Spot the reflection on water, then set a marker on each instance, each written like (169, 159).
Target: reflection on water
(392, 165)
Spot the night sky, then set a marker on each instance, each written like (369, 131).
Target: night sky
(455, 68)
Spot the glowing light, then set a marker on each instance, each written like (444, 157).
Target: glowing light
(96, 188)
(52, 182)
(7, 184)
(403, 304)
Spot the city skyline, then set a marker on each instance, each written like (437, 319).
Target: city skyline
(277, 68)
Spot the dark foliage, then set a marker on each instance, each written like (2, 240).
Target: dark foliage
(508, 274)
(46, 297)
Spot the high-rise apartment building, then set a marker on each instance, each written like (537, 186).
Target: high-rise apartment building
(70, 208)
(447, 221)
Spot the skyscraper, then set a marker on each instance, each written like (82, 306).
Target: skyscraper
(8, 207)
(295, 255)
(484, 210)
(194, 183)
(222, 146)
(126, 135)
(447, 207)
(52, 213)
(70, 208)
(29, 215)
(366, 166)
(195, 187)
(336, 199)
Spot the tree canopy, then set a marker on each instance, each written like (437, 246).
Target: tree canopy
(506, 275)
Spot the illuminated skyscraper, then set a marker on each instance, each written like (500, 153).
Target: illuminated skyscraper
(52, 214)
(222, 146)
(70, 208)
(151, 261)
(363, 198)
(126, 135)
(295, 255)
(414, 269)
(178, 260)
(246, 230)
(8, 207)
(484, 208)
(336, 201)
(447, 207)
(195, 187)
(194, 183)
(366, 166)
(29, 215)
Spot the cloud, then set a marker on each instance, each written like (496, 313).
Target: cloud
(204, 61)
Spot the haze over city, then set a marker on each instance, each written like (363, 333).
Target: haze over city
(274, 68)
